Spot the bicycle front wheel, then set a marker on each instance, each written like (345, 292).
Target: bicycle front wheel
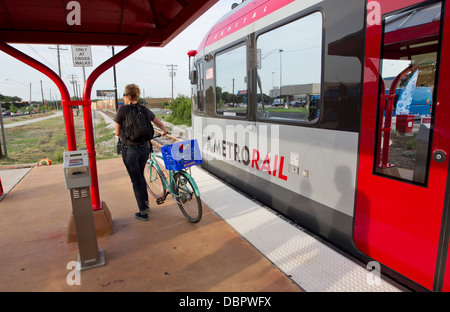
(154, 181)
(189, 203)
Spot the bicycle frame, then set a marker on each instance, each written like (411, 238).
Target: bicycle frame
(170, 185)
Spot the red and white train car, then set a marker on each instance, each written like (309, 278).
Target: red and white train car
(294, 103)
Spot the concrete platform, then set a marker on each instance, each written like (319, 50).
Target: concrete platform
(165, 254)
(239, 245)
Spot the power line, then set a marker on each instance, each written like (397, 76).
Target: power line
(40, 55)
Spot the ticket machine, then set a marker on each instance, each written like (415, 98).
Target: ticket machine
(78, 180)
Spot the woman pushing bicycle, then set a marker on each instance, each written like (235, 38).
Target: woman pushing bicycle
(135, 130)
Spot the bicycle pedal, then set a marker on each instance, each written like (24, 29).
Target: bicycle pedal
(160, 201)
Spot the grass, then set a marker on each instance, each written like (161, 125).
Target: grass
(47, 139)
(105, 141)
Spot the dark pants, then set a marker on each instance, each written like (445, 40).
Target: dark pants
(134, 157)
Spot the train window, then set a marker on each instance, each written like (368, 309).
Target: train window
(289, 71)
(408, 68)
(231, 82)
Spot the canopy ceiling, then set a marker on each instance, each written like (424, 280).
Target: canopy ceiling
(101, 22)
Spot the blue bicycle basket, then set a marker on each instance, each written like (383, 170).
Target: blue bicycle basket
(181, 155)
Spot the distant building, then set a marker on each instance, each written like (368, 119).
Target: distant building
(110, 103)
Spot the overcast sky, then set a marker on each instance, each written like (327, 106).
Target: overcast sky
(146, 67)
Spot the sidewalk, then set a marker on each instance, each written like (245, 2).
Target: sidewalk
(31, 120)
(10, 178)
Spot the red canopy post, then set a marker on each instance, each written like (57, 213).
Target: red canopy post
(68, 113)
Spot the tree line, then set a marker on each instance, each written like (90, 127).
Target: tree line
(7, 101)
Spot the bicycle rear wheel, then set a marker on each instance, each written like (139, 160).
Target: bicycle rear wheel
(154, 181)
(188, 202)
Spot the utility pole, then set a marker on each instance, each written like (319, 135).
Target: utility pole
(59, 57)
(74, 82)
(59, 68)
(42, 93)
(172, 68)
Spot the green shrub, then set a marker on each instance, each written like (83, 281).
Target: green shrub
(181, 111)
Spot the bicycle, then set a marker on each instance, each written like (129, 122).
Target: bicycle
(179, 183)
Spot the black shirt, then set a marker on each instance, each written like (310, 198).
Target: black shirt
(120, 119)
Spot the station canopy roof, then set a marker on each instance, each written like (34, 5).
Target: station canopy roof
(413, 32)
(97, 22)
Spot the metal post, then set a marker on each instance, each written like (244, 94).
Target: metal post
(115, 83)
(281, 72)
(3, 132)
(385, 128)
(42, 94)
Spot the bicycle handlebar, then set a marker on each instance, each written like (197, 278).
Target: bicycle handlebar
(158, 135)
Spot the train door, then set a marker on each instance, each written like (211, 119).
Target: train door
(401, 207)
(199, 120)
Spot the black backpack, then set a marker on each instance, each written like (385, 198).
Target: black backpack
(138, 127)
